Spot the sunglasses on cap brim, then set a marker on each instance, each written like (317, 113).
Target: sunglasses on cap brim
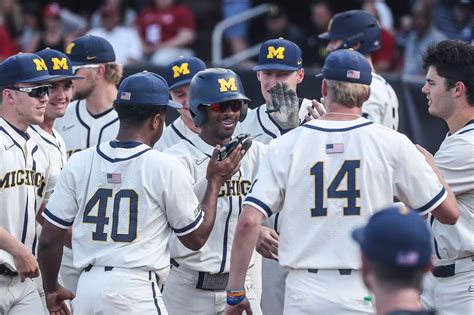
(34, 91)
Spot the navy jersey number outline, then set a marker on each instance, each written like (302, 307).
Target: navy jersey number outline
(101, 197)
(349, 168)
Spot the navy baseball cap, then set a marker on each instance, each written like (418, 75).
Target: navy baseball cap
(58, 63)
(396, 236)
(182, 70)
(144, 88)
(24, 68)
(279, 54)
(347, 65)
(90, 49)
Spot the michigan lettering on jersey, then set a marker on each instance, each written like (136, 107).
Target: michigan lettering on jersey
(235, 187)
(59, 63)
(182, 69)
(40, 64)
(24, 177)
(226, 85)
(278, 53)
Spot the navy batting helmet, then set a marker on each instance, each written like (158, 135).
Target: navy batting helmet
(353, 27)
(214, 85)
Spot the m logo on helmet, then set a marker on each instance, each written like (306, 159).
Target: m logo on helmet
(182, 69)
(69, 47)
(227, 85)
(276, 53)
(59, 63)
(40, 64)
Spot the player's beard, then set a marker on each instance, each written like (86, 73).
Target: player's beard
(83, 94)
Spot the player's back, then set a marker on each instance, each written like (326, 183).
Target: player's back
(334, 175)
(121, 191)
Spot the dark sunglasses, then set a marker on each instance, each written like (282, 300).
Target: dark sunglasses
(235, 106)
(35, 91)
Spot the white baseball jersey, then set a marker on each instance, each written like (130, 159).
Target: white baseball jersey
(173, 134)
(455, 159)
(24, 172)
(382, 105)
(123, 199)
(260, 125)
(52, 145)
(81, 130)
(214, 256)
(328, 177)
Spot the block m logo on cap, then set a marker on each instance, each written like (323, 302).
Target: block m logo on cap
(182, 69)
(69, 47)
(276, 53)
(226, 85)
(59, 63)
(40, 64)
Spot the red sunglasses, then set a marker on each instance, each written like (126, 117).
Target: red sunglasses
(221, 107)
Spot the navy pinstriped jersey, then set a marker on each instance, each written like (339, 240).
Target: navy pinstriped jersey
(24, 171)
(123, 199)
(81, 130)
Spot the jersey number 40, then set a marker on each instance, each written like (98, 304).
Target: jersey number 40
(348, 171)
(101, 198)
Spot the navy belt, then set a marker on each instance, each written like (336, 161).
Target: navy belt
(342, 272)
(106, 268)
(444, 271)
(4, 270)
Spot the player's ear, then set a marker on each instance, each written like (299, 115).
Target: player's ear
(156, 121)
(300, 73)
(368, 95)
(324, 88)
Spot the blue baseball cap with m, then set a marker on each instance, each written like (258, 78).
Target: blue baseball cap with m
(90, 49)
(24, 68)
(347, 65)
(396, 236)
(279, 54)
(58, 63)
(144, 88)
(182, 70)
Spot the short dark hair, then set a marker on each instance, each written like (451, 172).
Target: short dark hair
(453, 60)
(134, 114)
(400, 277)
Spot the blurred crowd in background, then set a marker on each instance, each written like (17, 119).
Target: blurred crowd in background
(155, 32)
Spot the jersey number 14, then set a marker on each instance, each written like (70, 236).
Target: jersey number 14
(348, 171)
(101, 198)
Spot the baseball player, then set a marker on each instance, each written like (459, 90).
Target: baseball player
(178, 74)
(90, 119)
(393, 264)
(341, 168)
(124, 200)
(197, 280)
(449, 87)
(24, 173)
(360, 30)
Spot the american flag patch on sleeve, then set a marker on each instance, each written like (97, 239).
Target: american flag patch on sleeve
(333, 148)
(114, 178)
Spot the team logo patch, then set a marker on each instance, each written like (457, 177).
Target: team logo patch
(125, 96)
(227, 85)
(59, 63)
(353, 74)
(40, 64)
(182, 69)
(278, 53)
(334, 148)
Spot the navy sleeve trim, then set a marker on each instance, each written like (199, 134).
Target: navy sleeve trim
(260, 204)
(189, 226)
(55, 218)
(432, 202)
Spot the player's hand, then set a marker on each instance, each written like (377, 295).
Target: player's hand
(284, 107)
(223, 170)
(428, 156)
(316, 110)
(239, 308)
(26, 264)
(267, 243)
(55, 301)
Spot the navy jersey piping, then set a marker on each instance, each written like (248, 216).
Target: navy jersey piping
(268, 132)
(105, 126)
(338, 129)
(226, 232)
(84, 124)
(114, 160)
